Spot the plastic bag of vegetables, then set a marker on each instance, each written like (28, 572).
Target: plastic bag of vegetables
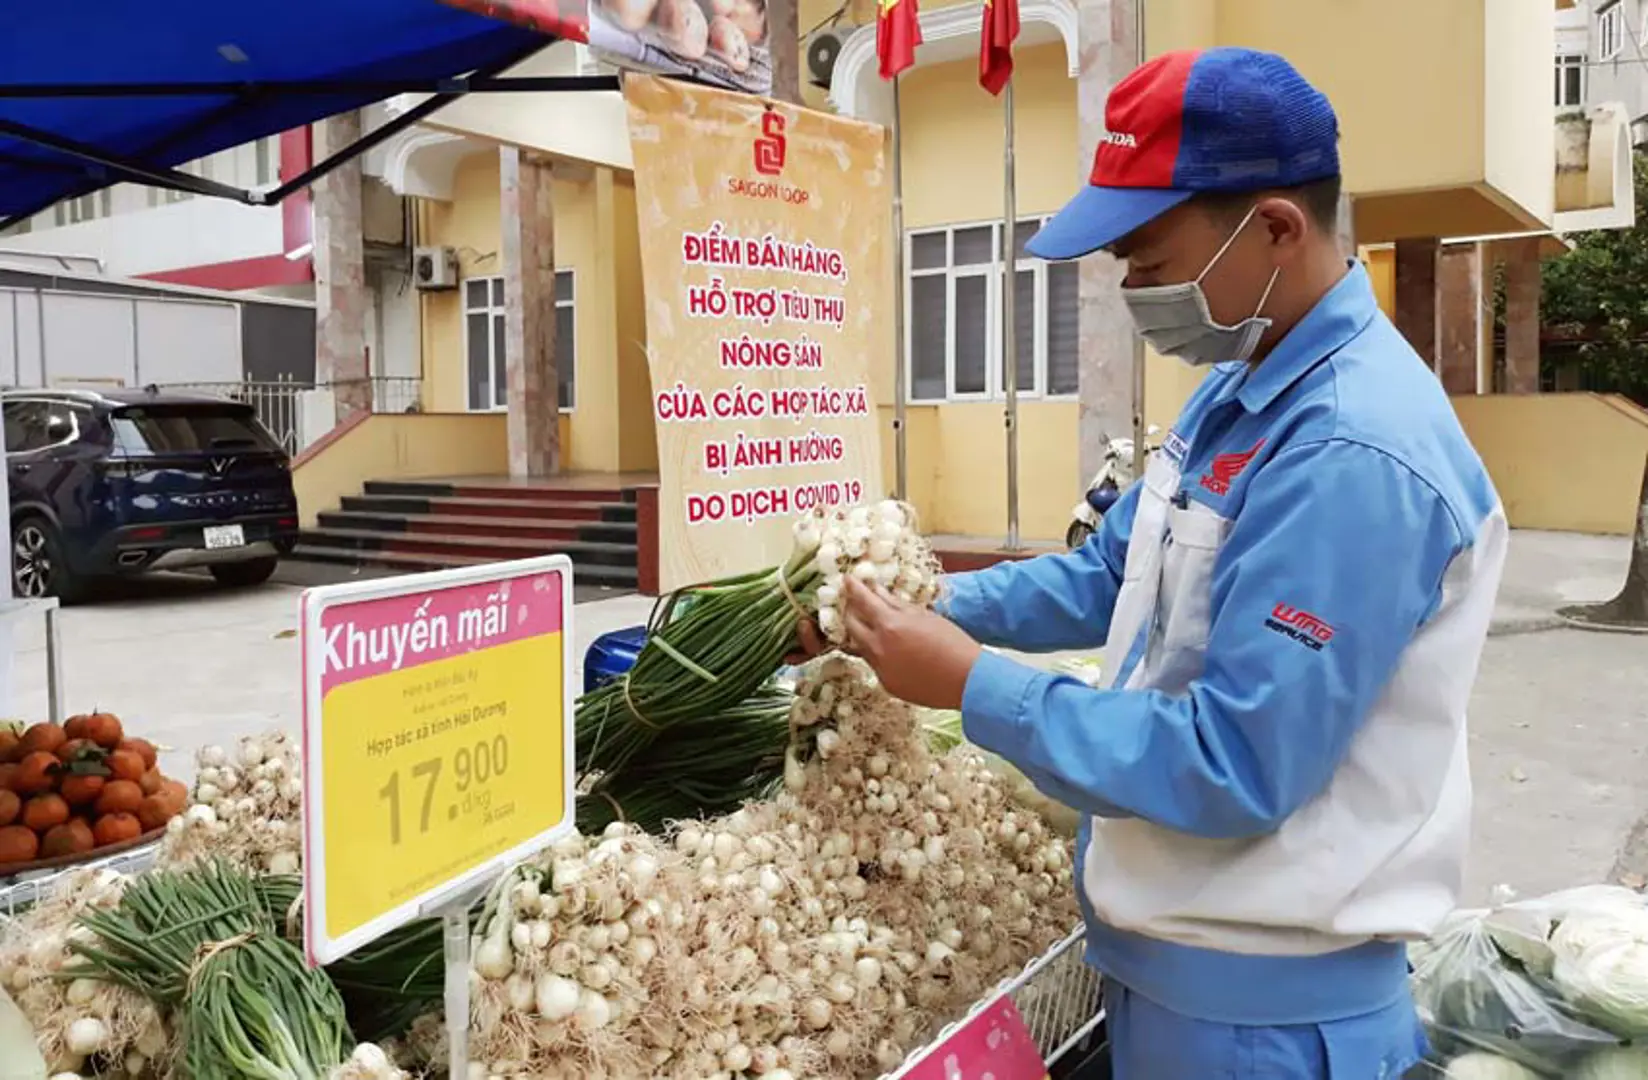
(1473, 996)
(19, 1057)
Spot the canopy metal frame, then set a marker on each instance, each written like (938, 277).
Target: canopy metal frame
(142, 168)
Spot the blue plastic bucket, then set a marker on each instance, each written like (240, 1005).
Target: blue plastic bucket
(611, 655)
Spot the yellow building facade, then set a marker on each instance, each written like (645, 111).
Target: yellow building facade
(1447, 131)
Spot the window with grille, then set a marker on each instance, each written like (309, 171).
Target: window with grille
(1611, 32)
(99, 204)
(486, 365)
(953, 307)
(1570, 81)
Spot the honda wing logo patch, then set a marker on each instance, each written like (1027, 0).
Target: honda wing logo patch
(1301, 626)
(1226, 468)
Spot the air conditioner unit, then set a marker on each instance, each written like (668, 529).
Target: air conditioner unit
(434, 268)
(823, 48)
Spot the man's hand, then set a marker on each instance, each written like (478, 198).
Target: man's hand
(812, 642)
(919, 656)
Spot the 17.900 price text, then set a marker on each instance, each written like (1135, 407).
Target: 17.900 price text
(469, 770)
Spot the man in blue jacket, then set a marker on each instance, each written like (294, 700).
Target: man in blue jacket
(1292, 604)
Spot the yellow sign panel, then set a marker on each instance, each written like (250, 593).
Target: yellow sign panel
(437, 740)
(768, 269)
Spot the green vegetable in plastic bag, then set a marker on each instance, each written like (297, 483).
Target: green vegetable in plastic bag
(1480, 1065)
(1614, 1063)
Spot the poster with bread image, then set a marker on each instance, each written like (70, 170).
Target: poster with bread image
(719, 42)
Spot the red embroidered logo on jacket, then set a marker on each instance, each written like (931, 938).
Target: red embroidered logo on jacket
(1226, 468)
(1301, 626)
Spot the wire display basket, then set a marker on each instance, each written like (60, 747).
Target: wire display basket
(17, 894)
(1057, 994)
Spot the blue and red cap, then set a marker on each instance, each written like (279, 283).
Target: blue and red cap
(1187, 122)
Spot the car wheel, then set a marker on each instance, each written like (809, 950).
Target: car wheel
(38, 569)
(241, 574)
(1076, 535)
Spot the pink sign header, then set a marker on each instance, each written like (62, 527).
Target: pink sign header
(370, 637)
(994, 1045)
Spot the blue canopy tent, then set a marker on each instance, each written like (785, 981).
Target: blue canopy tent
(98, 92)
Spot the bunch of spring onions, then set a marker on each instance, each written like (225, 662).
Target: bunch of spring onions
(711, 646)
(699, 767)
(385, 984)
(201, 943)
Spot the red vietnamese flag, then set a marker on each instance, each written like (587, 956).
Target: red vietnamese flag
(1001, 29)
(898, 32)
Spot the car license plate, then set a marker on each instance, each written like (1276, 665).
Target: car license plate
(225, 536)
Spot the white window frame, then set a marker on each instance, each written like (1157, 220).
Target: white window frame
(994, 374)
(497, 311)
(1611, 31)
(1566, 62)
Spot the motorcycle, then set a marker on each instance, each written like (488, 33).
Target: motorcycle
(1105, 488)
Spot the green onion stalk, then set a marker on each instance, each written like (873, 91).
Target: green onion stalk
(709, 647)
(201, 944)
(385, 984)
(700, 767)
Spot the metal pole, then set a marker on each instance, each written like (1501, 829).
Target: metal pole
(1138, 342)
(54, 664)
(1009, 323)
(900, 391)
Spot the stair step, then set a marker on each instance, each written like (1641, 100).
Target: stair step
(614, 532)
(486, 547)
(512, 492)
(310, 551)
(512, 508)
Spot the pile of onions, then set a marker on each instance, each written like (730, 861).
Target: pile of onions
(824, 933)
(878, 545)
(368, 1062)
(246, 807)
(80, 1022)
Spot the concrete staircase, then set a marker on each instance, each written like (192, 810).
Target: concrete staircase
(412, 525)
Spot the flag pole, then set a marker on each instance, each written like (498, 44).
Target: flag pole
(1140, 371)
(1009, 324)
(900, 390)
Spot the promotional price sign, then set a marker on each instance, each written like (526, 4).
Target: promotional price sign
(437, 739)
(993, 1045)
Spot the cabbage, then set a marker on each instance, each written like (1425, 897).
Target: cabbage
(1485, 1066)
(1602, 967)
(1615, 1063)
(1522, 929)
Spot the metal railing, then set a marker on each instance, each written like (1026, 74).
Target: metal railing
(279, 402)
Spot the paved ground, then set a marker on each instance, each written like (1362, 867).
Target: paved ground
(1560, 720)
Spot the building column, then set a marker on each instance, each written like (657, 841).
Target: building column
(1416, 261)
(527, 202)
(1460, 318)
(1522, 289)
(1108, 43)
(341, 297)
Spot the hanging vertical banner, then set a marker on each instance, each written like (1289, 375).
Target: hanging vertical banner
(719, 42)
(765, 255)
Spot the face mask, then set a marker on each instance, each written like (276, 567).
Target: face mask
(1175, 319)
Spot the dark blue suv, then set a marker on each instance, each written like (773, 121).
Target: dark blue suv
(115, 483)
